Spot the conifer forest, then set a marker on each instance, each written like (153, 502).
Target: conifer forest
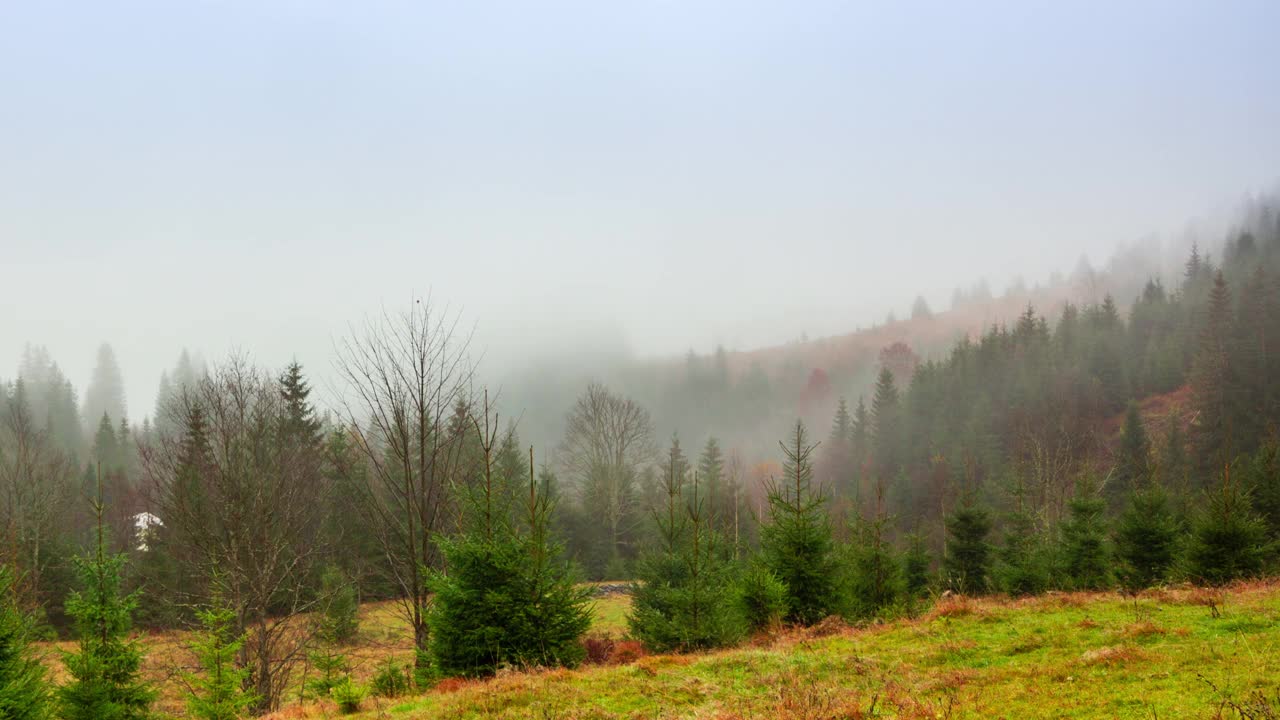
(592, 362)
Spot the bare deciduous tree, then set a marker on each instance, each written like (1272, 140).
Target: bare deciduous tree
(236, 486)
(406, 375)
(608, 440)
(35, 489)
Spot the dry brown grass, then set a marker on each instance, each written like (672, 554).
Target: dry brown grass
(1114, 655)
(1141, 629)
(952, 606)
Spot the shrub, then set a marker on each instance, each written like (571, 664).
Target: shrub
(332, 667)
(348, 695)
(391, 680)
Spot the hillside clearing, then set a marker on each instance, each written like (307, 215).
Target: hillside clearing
(1169, 653)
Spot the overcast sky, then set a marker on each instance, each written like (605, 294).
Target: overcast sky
(666, 174)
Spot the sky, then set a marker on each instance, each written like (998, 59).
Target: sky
(654, 176)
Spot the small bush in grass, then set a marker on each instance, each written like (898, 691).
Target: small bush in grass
(391, 680)
(332, 667)
(598, 648)
(348, 695)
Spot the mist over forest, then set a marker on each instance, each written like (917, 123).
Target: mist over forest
(604, 361)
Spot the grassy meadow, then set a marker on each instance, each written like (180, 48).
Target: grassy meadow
(1171, 653)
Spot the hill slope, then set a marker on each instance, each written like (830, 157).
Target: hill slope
(1170, 653)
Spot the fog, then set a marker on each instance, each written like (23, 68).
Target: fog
(591, 181)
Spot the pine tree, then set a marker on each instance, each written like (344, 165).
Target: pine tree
(1084, 541)
(1214, 384)
(1022, 569)
(1146, 539)
(875, 583)
(711, 479)
(885, 423)
(1262, 478)
(105, 394)
(968, 560)
(341, 606)
(218, 693)
(505, 599)
(684, 600)
(106, 682)
(860, 446)
(24, 691)
(1133, 459)
(916, 568)
(1228, 541)
(299, 419)
(1254, 354)
(838, 460)
(796, 541)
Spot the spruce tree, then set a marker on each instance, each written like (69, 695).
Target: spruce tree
(1214, 383)
(795, 541)
(968, 559)
(684, 600)
(1133, 459)
(340, 604)
(711, 480)
(106, 682)
(24, 691)
(505, 599)
(1022, 569)
(916, 564)
(885, 424)
(1262, 478)
(217, 692)
(1084, 541)
(1146, 539)
(1228, 540)
(875, 580)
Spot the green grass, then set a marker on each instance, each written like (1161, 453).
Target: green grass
(610, 615)
(1070, 656)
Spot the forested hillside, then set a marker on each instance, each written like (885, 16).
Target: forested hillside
(1125, 442)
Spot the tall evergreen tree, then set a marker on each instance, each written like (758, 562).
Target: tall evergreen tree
(711, 485)
(299, 416)
(1133, 459)
(24, 691)
(885, 423)
(105, 394)
(796, 541)
(1214, 382)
